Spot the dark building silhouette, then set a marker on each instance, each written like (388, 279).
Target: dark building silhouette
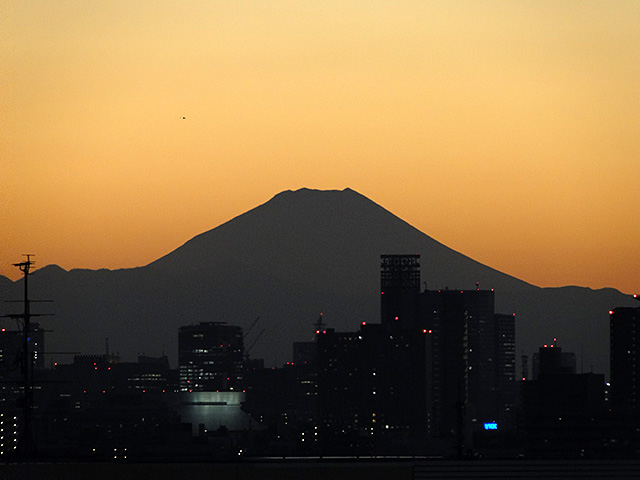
(400, 290)
(623, 395)
(624, 324)
(12, 386)
(438, 363)
(472, 349)
(105, 373)
(99, 407)
(550, 359)
(304, 352)
(91, 407)
(284, 401)
(507, 393)
(373, 390)
(558, 390)
(474, 357)
(149, 374)
(210, 357)
(562, 413)
(12, 344)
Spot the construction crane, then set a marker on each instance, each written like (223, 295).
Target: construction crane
(253, 344)
(251, 327)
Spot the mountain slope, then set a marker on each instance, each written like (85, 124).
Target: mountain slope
(295, 233)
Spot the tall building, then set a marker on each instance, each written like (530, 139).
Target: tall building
(624, 325)
(400, 273)
(473, 357)
(210, 357)
(439, 362)
(505, 325)
(373, 390)
(551, 360)
(12, 382)
(562, 413)
(400, 290)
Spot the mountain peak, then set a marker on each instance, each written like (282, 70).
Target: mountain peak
(52, 269)
(321, 204)
(306, 191)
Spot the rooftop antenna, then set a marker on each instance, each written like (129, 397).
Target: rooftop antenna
(319, 324)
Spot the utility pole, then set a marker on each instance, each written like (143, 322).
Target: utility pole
(26, 443)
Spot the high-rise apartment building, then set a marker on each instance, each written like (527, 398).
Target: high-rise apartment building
(373, 390)
(473, 357)
(210, 357)
(505, 334)
(624, 325)
(400, 290)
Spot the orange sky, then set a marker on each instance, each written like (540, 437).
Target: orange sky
(509, 131)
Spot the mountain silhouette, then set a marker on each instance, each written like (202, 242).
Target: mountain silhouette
(301, 253)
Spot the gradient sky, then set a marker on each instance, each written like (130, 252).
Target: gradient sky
(509, 131)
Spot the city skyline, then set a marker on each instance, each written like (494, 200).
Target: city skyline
(434, 379)
(299, 254)
(506, 132)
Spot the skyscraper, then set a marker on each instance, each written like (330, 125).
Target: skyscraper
(210, 357)
(473, 356)
(505, 335)
(438, 362)
(624, 327)
(400, 290)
